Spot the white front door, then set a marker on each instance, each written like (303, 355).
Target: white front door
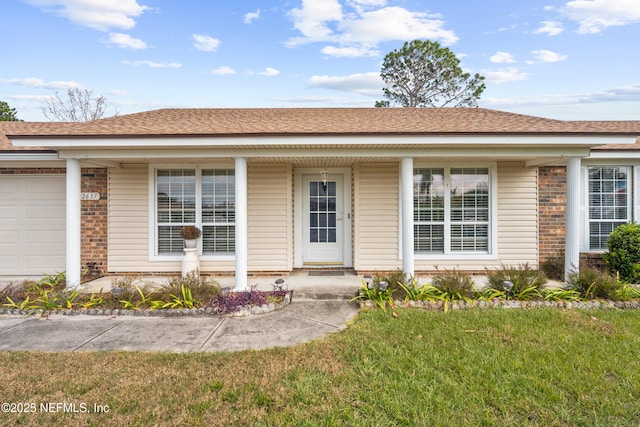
(323, 219)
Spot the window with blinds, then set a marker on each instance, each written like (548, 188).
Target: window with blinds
(218, 211)
(451, 209)
(205, 198)
(609, 201)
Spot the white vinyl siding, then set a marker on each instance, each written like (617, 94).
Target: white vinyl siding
(376, 234)
(129, 220)
(516, 221)
(517, 214)
(130, 246)
(270, 217)
(269, 212)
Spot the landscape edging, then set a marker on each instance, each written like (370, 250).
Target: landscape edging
(160, 312)
(501, 303)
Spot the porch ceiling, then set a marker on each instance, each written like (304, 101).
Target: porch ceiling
(320, 162)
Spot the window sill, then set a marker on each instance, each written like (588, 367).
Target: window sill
(203, 258)
(455, 257)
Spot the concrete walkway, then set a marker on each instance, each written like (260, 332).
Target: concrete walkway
(301, 321)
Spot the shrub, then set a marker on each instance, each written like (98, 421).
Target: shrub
(230, 302)
(372, 292)
(454, 284)
(553, 267)
(527, 282)
(623, 256)
(394, 280)
(592, 283)
(201, 289)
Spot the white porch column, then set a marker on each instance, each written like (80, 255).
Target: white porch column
(572, 227)
(406, 189)
(74, 217)
(241, 224)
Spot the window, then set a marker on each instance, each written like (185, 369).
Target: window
(195, 197)
(451, 210)
(609, 201)
(322, 212)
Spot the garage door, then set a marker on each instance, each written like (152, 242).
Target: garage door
(32, 224)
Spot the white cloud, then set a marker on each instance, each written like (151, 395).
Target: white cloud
(362, 83)
(351, 51)
(97, 14)
(117, 92)
(269, 72)
(548, 56)
(205, 43)
(251, 16)
(550, 28)
(365, 22)
(223, 70)
(503, 75)
(327, 101)
(596, 15)
(40, 83)
(125, 41)
(312, 19)
(395, 23)
(152, 64)
(502, 57)
(28, 97)
(620, 94)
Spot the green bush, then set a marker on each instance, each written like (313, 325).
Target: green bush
(623, 256)
(395, 279)
(592, 283)
(201, 288)
(527, 282)
(454, 284)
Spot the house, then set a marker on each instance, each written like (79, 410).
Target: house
(275, 190)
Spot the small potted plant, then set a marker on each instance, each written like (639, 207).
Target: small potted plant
(190, 234)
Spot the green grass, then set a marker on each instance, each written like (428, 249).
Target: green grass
(543, 367)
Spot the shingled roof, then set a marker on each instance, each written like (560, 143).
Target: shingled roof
(314, 121)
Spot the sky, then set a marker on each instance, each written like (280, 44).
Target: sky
(568, 60)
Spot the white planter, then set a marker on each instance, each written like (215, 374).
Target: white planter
(190, 262)
(190, 243)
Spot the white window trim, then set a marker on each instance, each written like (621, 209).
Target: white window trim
(633, 194)
(153, 238)
(492, 253)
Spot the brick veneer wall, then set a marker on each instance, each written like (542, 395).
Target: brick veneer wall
(94, 222)
(552, 200)
(94, 214)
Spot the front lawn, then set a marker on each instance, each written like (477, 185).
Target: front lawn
(541, 367)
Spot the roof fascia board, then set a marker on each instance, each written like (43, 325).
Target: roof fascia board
(21, 157)
(507, 152)
(615, 154)
(310, 140)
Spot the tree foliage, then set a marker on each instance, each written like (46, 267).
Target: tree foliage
(80, 106)
(8, 114)
(425, 74)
